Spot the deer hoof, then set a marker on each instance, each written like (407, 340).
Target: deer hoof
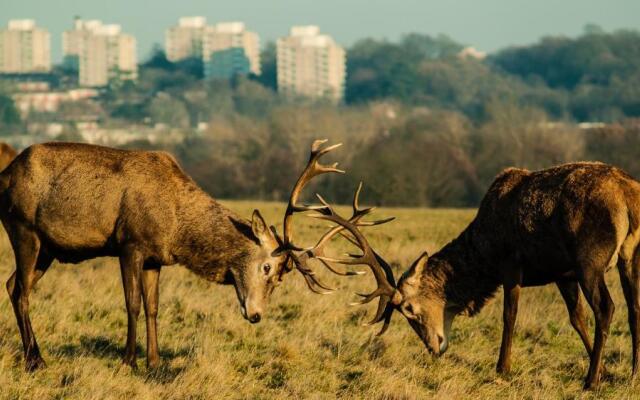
(130, 362)
(590, 384)
(153, 364)
(35, 364)
(503, 369)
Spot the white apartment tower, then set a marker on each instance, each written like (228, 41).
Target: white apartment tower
(310, 64)
(184, 40)
(228, 48)
(74, 40)
(24, 48)
(102, 53)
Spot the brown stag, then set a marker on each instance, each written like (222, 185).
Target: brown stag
(73, 202)
(565, 225)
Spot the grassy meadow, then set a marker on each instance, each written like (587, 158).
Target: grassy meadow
(307, 346)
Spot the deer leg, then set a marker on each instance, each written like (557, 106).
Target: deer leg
(596, 292)
(511, 295)
(570, 291)
(150, 294)
(42, 265)
(29, 268)
(131, 268)
(630, 280)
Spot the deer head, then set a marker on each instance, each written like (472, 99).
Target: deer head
(259, 269)
(276, 256)
(421, 304)
(424, 305)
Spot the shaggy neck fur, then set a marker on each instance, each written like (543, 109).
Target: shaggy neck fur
(459, 274)
(211, 240)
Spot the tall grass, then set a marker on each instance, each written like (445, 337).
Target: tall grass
(308, 346)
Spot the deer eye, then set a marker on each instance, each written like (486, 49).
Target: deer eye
(409, 312)
(409, 309)
(266, 268)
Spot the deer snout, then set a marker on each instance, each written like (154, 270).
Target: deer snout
(255, 318)
(254, 311)
(444, 343)
(439, 345)
(436, 343)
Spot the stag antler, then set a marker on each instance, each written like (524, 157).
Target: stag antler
(313, 169)
(298, 255)
(381, 270)
(317, 251)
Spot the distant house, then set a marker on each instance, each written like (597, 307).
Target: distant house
(49, 101)
(472, 52)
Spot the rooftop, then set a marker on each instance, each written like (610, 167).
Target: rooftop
(230, 27)
(192, 22)
(21, 24)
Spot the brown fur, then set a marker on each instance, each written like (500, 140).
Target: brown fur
(73, 202)
(7, 154)
(566, 225)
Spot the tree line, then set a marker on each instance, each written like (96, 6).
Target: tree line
(422, 126)
(406, 155)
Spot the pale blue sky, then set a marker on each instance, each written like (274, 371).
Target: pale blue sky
(485, 24)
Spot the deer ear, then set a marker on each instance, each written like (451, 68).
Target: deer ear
(421, 263)
(259, 227)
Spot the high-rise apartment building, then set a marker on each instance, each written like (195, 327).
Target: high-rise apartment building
(24, 48)
(229, 49)
(184, 40)
(73, 41)
(101, 53)
(310, 64)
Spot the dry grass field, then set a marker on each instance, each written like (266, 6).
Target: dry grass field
(308, 346)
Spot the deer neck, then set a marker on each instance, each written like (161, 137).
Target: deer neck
(211, 240)
(462, 276)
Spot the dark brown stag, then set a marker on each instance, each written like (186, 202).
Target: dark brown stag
(73, 202)
(565, 225)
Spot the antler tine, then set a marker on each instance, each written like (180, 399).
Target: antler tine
(350, 239)
(309, 276)
(313, 169)
(317, 144)
(313, 284)
(367, 258)
(326, 207)
(318, 250)
(388, 312)
(377, 222)
(358, 212)
(277, 236)
(381, 270)
(335, 271)
(380, 311)
(356, 202)
(364, 211)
